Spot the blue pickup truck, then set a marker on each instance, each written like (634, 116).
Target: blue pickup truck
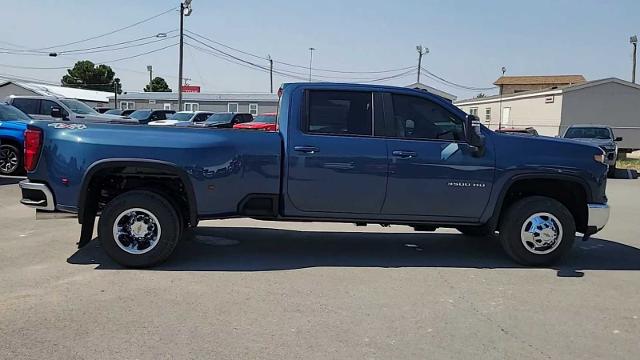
(13, 123)
(343, 153)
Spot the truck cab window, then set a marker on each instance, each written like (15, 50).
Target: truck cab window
(419, 118)
(340, 113)
(28, 106)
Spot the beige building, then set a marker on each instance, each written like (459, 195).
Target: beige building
(517, 84)
(611, 102)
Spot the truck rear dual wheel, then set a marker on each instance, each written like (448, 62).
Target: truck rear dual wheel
(537, 230)
(139, 229)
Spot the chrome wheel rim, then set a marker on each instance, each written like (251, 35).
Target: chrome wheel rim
(136, 231)
(541, 233)
(8, 160)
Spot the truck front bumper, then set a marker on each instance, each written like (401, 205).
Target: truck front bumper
(598, 217)
(37, 196)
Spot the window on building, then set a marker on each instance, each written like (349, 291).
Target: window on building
(253, 109)
(191, 106)
(127, 105)
(340, 112)
(487, 114)
(232, 107)
(419, 118)
(166, 106)
(473, 111)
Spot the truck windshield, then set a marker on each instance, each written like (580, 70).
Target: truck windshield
(219, 119)
(78, 107)
(588, 133)
(267, 119)
(140, 114)
(8, 112)
(180, 116)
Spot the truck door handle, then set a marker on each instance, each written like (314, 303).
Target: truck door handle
(403, 154)
(306, 149)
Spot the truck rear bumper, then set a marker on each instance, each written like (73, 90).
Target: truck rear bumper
(37, 196)
(598, 216)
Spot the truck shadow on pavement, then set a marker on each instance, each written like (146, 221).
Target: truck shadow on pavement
(10, 180)
(260, 249)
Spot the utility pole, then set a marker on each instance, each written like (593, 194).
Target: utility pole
(185, 10)
(421, 51)
(634, 41)
(504, 70)
(311, 50)
(150, 70)
(270, 72)
(115, 92)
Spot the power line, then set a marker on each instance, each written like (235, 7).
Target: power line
(97, 63)
(292, 74)
(451, 83)
(107, 33)
(243, 63)
(296, 65)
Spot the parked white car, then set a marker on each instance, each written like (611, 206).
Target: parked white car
(183, 117)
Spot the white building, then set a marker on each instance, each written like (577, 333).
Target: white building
(92, 98)
(611, 101)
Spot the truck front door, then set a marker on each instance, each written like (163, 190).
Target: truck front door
(335, 163)
(432, 170)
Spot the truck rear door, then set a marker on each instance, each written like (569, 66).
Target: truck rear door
(335, 163)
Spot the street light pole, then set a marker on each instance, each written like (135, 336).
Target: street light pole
(421, 51)
(504, 70)
(185, 10)
(634, 41)
(311, 50)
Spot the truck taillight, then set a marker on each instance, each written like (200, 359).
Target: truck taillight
(32, 145)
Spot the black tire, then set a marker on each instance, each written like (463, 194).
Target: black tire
(10, 160)
(168, 226)
(514, 219)
(476, 231)
(612, 170)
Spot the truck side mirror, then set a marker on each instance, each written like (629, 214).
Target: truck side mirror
(474, 135)
(619, 138)
(56, 112)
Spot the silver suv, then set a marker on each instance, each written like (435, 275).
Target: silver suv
(52, 108)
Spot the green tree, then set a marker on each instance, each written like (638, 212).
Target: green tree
(157, 85)
(86, 75)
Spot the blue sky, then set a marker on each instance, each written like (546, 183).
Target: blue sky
(469, 41)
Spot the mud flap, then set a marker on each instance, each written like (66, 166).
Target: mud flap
(89, 220)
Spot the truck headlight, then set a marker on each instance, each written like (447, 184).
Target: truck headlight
(599, 158)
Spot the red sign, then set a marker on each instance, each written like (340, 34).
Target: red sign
(190, 88)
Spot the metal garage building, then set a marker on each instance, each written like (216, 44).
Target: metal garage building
(611, 101)
(92, 98)
(254, 103)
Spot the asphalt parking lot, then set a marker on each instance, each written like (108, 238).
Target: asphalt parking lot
(247, 289)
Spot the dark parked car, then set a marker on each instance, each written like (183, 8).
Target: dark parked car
(598, 135)
(144, 116)
(519, 131)
(119, 112)
(227, 119)
(102, 109)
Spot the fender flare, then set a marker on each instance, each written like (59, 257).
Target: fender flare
(494, 217)
(148, 163)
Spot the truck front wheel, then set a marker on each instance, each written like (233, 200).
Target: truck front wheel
(139, 229)
(537, 230)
